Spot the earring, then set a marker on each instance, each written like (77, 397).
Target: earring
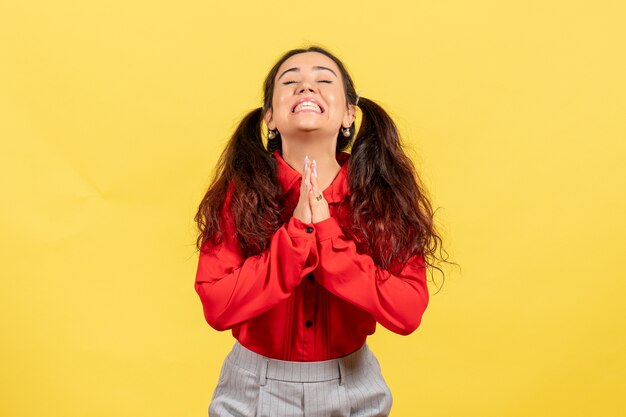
(346, 132)
(271, 134)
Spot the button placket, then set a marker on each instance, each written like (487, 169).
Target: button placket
(310, 306)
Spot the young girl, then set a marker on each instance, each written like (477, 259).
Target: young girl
(304, 247)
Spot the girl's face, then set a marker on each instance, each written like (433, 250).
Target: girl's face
(309, 96)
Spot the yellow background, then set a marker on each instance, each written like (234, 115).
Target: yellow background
(112, 114)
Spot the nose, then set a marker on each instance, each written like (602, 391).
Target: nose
(305, 86)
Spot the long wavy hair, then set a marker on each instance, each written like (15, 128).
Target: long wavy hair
(391, 216)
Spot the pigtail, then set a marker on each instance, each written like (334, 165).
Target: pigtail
(389, 204)
(246, 172)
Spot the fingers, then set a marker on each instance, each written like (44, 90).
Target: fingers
(314, 184)
(315, 189)
(306, 189)
(304, 186)
(302, 210)
(307, 174)
(319, 208)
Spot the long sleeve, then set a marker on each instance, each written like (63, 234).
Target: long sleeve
(397, 302)
(233, 289)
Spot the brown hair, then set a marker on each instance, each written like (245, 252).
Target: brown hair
(392, 218)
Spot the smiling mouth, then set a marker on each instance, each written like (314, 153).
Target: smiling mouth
(307, 106)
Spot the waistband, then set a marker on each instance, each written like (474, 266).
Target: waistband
(291, 371)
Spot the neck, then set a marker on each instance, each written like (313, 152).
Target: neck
(323, 152)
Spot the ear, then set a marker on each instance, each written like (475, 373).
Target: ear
(269, 120)
(350, 116)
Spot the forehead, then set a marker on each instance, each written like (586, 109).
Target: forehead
(306, 61)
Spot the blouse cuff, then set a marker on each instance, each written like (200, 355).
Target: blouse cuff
(328, 228)
(297, 228)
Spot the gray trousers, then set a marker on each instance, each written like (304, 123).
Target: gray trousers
(253, 385)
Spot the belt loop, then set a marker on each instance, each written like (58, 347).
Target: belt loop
(263, 372)
(342, 371)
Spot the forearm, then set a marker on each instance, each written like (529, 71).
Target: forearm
(233, 291)
(395, 301)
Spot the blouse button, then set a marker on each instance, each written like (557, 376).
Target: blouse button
(308, 323)
(309, 230)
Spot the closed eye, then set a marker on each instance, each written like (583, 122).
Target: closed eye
(320, 81)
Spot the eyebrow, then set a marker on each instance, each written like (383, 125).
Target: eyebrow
(316, 68)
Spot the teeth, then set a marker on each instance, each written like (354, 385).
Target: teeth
(308, 105)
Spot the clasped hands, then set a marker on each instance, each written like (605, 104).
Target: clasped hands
(309, 208)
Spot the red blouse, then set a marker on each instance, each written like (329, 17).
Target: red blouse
(310, 296)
